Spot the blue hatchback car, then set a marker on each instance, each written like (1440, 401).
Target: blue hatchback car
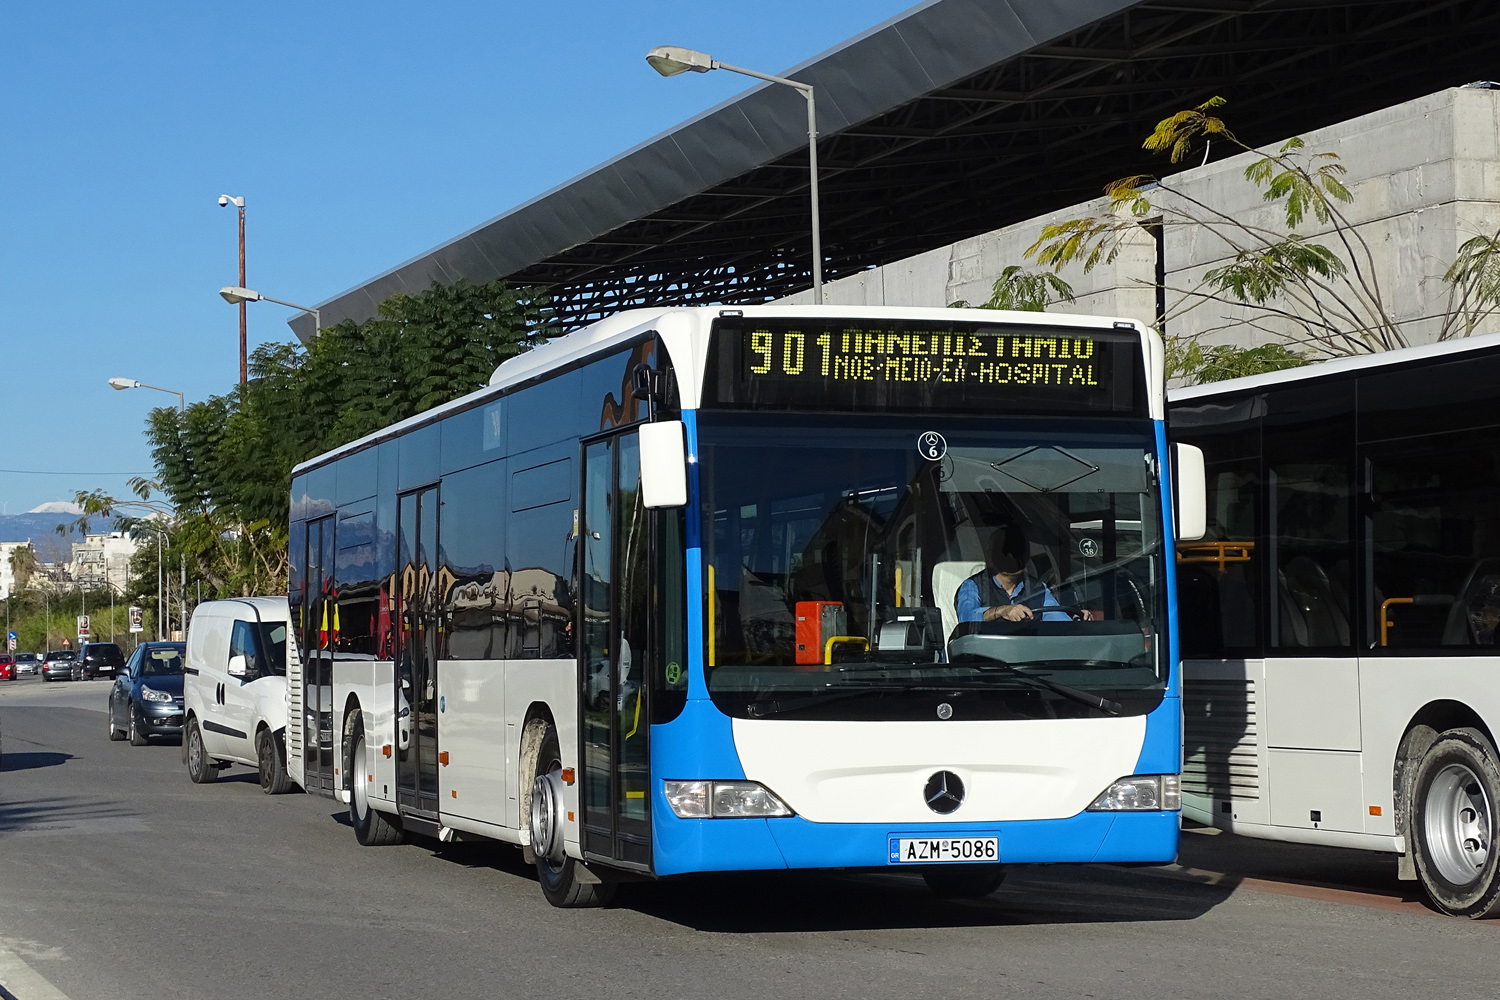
(146, 700)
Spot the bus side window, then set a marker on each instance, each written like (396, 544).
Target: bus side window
(1218, 577)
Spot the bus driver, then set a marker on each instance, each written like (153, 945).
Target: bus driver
(1003, 589)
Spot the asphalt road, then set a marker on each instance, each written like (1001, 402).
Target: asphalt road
(121, 879)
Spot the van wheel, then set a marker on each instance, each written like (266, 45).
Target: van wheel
(372, 828)
(963, 881)
(114, 730)
(272, 764)
(200, 768)
(1456, 792)
(561, 876)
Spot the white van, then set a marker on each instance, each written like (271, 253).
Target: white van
(235, 690)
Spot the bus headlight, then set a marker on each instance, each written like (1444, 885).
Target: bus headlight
(1141, 793)
(723, 800)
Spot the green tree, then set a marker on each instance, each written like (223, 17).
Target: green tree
(220, 495)
(1323, 299)
(22, 565)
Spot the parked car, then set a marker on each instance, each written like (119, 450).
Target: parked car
(7, 667)
(58, 665)
(97, 659)
(146, 700)
(28, 664)
(236, 690)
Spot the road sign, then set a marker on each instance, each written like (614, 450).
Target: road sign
(135, 620)
(83, 626)
(10, 641)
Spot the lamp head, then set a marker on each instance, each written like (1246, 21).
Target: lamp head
(226, 200)
(124, 383)
(234, 295)
(669, 60)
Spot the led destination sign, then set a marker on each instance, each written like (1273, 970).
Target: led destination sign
(843, 365)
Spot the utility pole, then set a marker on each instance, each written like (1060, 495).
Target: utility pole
(238, 201)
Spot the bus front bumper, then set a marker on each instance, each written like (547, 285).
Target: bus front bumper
(718, 845)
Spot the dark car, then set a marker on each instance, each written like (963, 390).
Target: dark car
(28, 664)
(146, 700)
(98, 659)
(58, 665)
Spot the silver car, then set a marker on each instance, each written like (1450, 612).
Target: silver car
(58, 665)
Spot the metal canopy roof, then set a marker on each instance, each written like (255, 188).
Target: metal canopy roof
(953, 119)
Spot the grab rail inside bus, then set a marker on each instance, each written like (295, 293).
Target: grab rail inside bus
(1419, 600)
(713, 620)
(1218, 553)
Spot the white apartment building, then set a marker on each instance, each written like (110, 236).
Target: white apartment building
(103, 559)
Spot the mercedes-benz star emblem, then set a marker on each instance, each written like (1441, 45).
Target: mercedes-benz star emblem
(944, 792)
(945, 711)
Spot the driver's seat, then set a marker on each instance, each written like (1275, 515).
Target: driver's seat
(946, 579)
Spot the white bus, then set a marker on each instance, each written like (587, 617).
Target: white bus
(684, 591)
(1342, 679)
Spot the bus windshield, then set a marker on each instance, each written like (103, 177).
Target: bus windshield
(919, 567)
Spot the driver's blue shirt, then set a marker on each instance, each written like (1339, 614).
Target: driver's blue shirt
(970, 610)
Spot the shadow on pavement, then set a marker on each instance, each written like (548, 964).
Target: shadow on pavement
(59, 813)
(27, 761)
(773, 902)
(1211, 850)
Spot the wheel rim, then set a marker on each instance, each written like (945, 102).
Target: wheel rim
(195, 751)
(546, 830)
(263, 747)
(1460, 824)
(360, 794)
(132, 726)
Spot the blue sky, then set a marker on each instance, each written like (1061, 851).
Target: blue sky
(361, 135)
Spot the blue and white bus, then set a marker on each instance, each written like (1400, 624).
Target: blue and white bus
(708, 589)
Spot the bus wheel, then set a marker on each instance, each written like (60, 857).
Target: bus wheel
(561, 876)
(200, 768)
(963, 881)
(372, 828)
(271, 763)
(1455, 794)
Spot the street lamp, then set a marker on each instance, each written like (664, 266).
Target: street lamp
(130, 383)
(670, 60)
(240, 295)
(225, 201)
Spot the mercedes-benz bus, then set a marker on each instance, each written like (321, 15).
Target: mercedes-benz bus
(1339, 617)
(709, 589)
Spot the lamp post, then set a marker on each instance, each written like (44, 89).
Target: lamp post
(240, 295)
(224, 202)
(130, 383)
(670, 60)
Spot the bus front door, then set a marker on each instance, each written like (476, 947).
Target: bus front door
(614, 654)
(416, 655)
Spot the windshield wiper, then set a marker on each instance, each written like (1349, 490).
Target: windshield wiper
(1067, 691)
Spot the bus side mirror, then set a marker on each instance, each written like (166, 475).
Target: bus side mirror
(663, 464)
(1192, 492)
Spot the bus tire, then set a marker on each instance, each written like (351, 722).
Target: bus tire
(963, 881)
(200, 768)
(562, 878)
(1455, 797)
(271, 763)
(372, 828)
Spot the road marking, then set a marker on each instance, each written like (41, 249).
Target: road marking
(19, 981)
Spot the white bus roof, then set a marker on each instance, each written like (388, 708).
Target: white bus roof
(1335, 367)
(619, 329)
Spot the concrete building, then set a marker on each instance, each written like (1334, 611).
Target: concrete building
(1425, 176)
(103, 560)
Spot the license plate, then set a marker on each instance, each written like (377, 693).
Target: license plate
(943, 850)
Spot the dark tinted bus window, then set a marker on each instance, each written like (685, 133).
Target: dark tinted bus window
(1219, 579)
(353, 628)
(539, 551)
(475, 585)
(1434, 542)
(1308, 443)
(1430, 400)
